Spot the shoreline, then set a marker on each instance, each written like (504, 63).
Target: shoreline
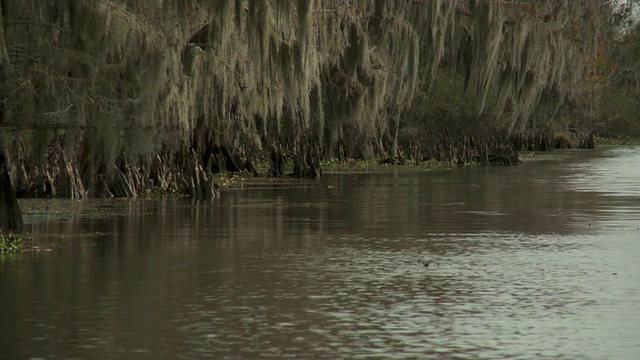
(237, 182)
(246, 181)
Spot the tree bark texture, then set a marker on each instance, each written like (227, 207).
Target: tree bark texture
(10, 215)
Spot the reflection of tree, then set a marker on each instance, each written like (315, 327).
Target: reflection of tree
(448, 203)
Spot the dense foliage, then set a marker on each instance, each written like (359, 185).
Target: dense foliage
(111, 97)
(10, 244)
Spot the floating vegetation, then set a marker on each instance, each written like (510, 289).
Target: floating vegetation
(619, 140)
(10, 243)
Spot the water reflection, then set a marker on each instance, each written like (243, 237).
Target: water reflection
(523, 266)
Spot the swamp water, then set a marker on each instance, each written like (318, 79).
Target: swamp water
(535, 261)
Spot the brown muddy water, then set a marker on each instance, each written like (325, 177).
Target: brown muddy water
(537, 261)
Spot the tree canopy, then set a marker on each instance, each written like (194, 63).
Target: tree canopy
(92, 89)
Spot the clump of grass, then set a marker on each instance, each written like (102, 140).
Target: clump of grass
(231, 179)
(378, 165)
(433, 164)
(159, 192)
(618, 140)
(10, 243)
(332, 164)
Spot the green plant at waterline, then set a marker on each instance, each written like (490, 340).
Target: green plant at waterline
(10, 244)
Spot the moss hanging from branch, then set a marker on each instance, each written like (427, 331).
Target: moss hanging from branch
(117, 82)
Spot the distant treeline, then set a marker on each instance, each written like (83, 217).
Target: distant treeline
(111, 97)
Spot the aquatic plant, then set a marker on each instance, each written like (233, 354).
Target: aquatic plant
(10, 243)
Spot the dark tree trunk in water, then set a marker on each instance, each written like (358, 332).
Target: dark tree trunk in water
(10, 216)
(277, 162)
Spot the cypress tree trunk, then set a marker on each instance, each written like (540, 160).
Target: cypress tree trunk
(10, 216)
(244, 74)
